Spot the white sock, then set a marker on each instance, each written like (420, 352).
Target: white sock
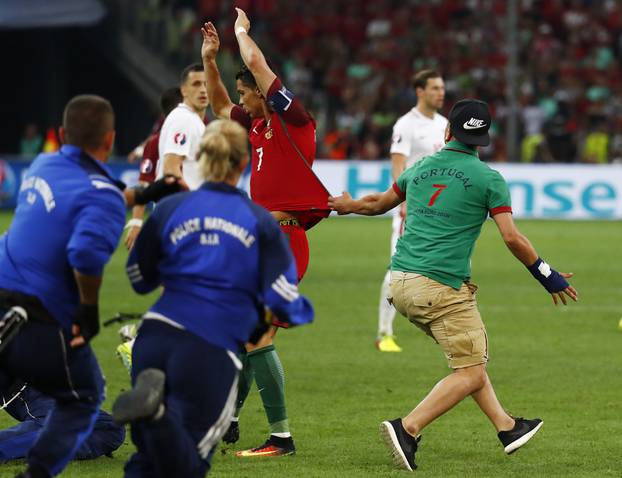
(282, 435)
(386, 312)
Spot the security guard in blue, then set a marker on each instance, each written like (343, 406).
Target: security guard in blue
(225, 267)
(69, 217)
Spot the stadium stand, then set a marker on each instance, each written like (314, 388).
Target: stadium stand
(351, 62)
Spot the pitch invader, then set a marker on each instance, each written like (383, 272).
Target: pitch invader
(417, 134)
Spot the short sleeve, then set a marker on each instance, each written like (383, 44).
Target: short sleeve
(401, 142)
(177, 135)
(498, 197)
(286, 104)
(150, 159)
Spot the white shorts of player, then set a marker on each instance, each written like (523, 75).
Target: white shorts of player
(386, 312)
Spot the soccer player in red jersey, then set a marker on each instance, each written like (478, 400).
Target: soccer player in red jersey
(282, 136)
(169, 99)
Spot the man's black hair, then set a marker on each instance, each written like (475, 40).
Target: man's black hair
(189, 69)
(86, 120)
(246, 77)
(420, 79)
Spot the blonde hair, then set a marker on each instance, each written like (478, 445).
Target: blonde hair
(223, 147)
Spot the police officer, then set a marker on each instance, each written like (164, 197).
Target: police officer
(221, 259)
(69, 217)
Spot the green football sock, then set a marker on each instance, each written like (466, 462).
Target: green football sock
(271, 384)
(245, 381)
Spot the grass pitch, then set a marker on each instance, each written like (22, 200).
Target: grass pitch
(561, 364)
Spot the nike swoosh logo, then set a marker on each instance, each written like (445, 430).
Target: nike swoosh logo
(468, 126)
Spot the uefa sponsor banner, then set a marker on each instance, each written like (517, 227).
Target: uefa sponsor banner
(563, 191)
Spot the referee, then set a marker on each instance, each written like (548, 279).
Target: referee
(449, 195)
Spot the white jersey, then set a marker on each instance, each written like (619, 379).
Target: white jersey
(416, 136)
(181, 134)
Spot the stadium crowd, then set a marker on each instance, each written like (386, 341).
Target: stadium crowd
(352, 62)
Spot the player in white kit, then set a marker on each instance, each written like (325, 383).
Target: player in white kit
(417, 134)
(183, 128)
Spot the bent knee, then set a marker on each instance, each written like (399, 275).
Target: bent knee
(475, 376)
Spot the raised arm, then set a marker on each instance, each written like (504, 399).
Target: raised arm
(370, 205)
(216, 91)
(554, 282)
(252, 56)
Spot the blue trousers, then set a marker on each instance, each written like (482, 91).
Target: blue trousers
(40, 355)
(31, 409)
(200, 392)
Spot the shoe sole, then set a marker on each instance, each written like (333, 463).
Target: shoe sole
(268, 454)
(387, 433)
(143, 401)
(515, 445)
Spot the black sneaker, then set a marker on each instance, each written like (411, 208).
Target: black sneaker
(144, 401)
(522, 432)
(402, 445)
(274, 446)
(232, 434)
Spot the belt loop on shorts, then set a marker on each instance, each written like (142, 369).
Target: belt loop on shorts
(289, 222)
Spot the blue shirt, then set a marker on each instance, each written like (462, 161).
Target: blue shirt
(70, 214)
(221, 259)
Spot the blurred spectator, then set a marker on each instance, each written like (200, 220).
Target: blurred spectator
(560, 142)
(31, 142)
(596, 144)
(51, 141)
(350, 61)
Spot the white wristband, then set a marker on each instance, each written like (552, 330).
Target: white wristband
(239, 30)
(134, 222)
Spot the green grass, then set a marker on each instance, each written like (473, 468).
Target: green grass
(562, 364)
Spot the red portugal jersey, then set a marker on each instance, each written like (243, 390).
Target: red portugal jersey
(150, 159)
(281, 180)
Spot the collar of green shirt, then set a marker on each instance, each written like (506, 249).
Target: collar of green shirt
(459, 147)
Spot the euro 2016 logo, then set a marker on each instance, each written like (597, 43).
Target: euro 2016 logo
(180, 139)
(146, 166)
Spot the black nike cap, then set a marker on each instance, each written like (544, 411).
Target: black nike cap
(470, 121)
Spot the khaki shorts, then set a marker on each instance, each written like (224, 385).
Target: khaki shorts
(447, 315)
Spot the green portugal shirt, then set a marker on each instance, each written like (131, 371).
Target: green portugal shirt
(449, 195)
